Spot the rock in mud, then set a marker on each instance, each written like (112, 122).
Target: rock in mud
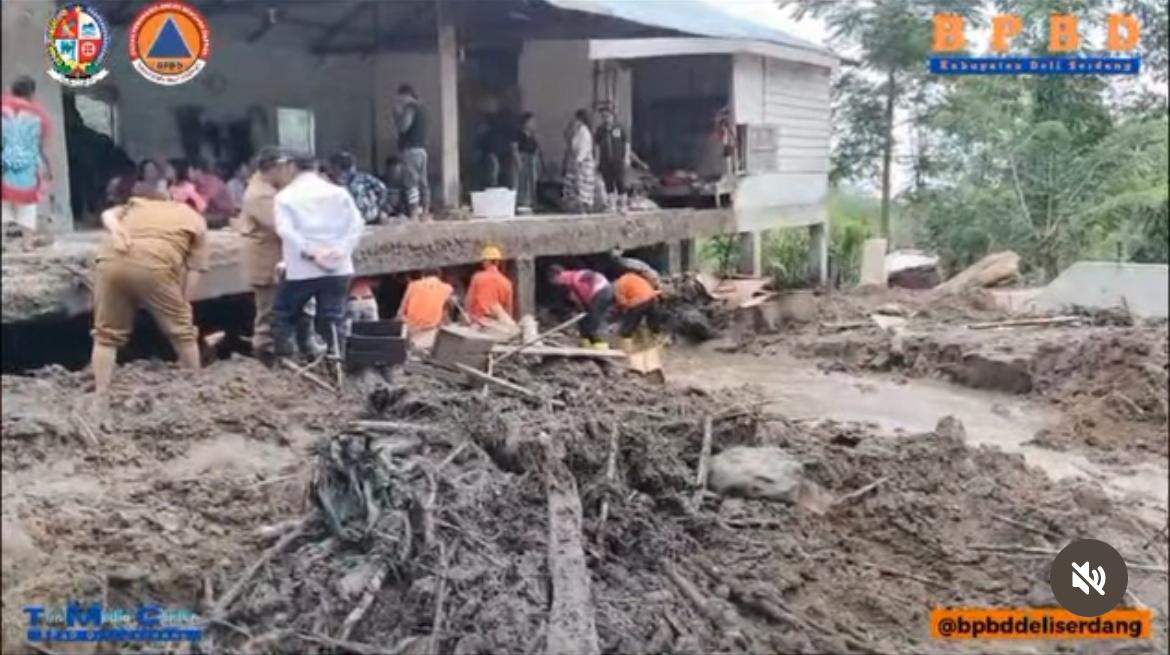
(756, 472)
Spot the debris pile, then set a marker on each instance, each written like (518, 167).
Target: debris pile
(450, 521)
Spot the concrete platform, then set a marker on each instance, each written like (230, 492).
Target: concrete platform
(53, 281)
(1142, 289)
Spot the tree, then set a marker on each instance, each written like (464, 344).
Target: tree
(893, 38)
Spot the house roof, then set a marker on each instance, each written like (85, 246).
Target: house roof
(689, 17)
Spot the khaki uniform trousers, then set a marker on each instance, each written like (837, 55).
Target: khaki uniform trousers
(121, 287)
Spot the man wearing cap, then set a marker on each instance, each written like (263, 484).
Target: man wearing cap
(154, 254)
(490, 290)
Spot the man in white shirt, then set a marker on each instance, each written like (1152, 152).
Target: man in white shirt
(319, 227)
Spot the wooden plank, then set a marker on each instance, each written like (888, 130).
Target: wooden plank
(500, 382)
(553, 351)
(1027, 322)
(535, 340)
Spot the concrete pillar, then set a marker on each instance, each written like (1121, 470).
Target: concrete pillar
(448, 105)
(751, 256)
(818, 252)
(23, 37)
(524, 285)
(673, 258)
(689, 255)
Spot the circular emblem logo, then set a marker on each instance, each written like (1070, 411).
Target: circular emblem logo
(169, 42)
(77, 39)
(1088, 577)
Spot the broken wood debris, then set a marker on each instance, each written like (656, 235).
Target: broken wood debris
(311, 377)
(557, 351)
(540, 337)
(704, 458)
(854, 495)
(571, 625)
(1027, 322)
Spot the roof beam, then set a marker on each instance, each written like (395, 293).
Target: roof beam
(320, 45)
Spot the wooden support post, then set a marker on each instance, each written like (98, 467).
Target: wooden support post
(818, 252)
(448, 104)
(525, 277)
(751, 254)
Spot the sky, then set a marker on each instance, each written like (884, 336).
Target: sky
(769, 13)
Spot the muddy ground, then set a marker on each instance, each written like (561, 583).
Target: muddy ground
(1106, 374)
(166, 503)
(445, 548)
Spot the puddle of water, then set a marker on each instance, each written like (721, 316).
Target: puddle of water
(993, 419)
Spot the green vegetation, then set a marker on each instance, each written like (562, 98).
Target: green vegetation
(852, 220)
(1057, 168)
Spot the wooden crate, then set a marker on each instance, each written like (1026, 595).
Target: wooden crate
(463, 345)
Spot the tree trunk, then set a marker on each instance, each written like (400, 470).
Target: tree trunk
(888, 154)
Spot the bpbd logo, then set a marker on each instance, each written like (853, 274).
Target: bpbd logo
(1122, 34)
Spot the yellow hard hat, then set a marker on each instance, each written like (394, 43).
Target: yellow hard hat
(491, 253)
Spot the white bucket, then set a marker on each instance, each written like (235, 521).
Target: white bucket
(497, 202)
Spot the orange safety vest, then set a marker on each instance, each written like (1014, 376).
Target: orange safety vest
(424, 304)
(489, 287)
(631, 290)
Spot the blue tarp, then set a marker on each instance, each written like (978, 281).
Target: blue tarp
(686, 16)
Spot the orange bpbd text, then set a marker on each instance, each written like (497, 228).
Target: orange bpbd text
(1123, 33)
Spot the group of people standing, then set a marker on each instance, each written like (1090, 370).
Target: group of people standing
(508, 154)
(300, 231)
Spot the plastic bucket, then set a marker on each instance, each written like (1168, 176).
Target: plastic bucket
(498, 202)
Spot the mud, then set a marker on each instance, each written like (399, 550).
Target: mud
(1106, 375)
(166, 506)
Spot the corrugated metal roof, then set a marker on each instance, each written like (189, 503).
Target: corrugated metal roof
(688, 17)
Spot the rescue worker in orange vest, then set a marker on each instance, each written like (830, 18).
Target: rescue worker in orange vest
(154, 254)
(425, 303)
(637, 301)
(490, 288)
(593, 292)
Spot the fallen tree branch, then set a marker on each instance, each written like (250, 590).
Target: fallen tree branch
(610, 472)
(355, 647)
(1024, 526)
(903, 574)
(499, 382)
(704, 456)
(307, 375)
(440, 598)
(373, 585)
(225, 602)
(392, 426)
(854, 495)
(1026, 322)
(725, 622)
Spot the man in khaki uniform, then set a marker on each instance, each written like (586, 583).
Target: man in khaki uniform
(154, 254)
(261, 243)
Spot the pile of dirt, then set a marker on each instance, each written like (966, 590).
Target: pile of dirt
(163, 496)
(1112, 390)
(424, 526)
(921, 305)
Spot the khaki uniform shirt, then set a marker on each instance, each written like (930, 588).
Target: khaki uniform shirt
(163, 235)
(258, 227)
